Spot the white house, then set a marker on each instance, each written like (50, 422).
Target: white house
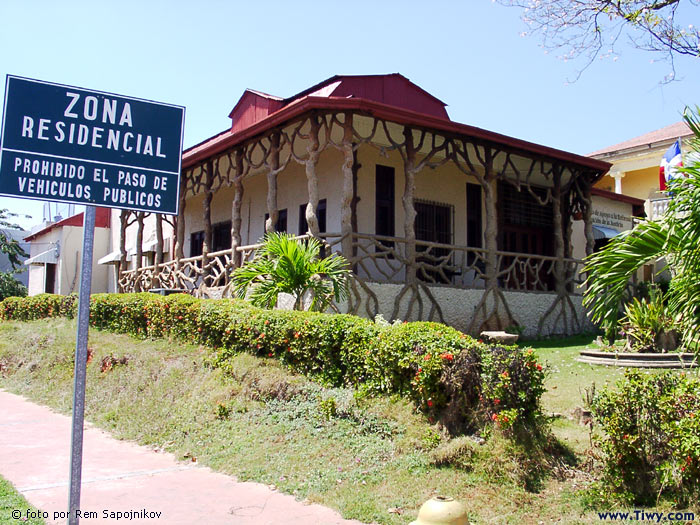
(55, 255)
(439, 220)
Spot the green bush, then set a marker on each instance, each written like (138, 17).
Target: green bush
(11, 287)
(39, 307)
(446, 373)
(649, 436)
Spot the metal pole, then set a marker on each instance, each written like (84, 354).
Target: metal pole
(76, 458)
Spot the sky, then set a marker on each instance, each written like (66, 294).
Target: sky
(469, 53)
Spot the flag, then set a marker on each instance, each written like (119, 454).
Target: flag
(670, 161)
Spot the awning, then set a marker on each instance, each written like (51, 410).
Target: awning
(149, 247)
(111, 258)
(47, 257)
(603, 232)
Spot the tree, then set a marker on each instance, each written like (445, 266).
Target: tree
(676, 237)
(9, 286)
(590, 28)
(284, 264)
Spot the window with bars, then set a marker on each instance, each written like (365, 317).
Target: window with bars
(434, 223)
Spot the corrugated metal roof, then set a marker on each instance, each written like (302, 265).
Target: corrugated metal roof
(102, 218)
(228, 139)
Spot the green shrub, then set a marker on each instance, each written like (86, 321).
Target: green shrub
(645, 321)
(649, 436)
(39, 307)
(11, 287)
(447, 374)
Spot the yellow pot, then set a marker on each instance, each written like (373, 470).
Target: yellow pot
(442, 510)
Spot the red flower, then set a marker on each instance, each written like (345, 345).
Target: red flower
(494, 417)
(270, 354)
(539, 366)
(497, 401)
(426, 358)
(430, 403)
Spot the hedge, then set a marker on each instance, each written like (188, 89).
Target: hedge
(446, 373)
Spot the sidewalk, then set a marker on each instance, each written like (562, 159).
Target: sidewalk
(119, 476)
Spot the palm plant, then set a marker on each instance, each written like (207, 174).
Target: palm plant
(676, 236)
(287, 265)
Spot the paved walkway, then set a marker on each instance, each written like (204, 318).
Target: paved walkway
(119, 476)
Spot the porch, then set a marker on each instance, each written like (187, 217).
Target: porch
(387, 280)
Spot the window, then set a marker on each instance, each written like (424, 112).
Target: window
(196, 243)
(221, 236)
(384, 204)
(281, 225)
(434, 224)
(474, 222)
(320, 214)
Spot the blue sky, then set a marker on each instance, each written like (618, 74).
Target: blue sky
(468, 53)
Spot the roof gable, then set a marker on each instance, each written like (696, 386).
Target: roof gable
(393, 90)
(252, 107)
(102, 220)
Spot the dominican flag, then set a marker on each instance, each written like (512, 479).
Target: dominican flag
(669, 163)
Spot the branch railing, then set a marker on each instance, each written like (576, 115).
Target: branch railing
(378, 258)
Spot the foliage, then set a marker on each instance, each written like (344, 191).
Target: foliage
(645, 320)
(8, 245)
(586, 28)
(676, 236)
(428, 363)
(649, 435)
(11, 287)
(286, 265)
(38, 307)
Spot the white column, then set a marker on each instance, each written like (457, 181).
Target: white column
(618, 176)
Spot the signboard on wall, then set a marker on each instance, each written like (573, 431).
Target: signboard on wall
(68, 144)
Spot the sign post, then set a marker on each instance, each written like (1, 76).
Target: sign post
(68, 144)
(76, 440)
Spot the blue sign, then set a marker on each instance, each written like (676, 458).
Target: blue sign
(68, 144)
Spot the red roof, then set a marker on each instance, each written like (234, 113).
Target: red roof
(102, 220)
(229, 138)
(393, 90)
(672, 132)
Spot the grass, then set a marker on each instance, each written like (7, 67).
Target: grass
(12, 501)
(361, 456)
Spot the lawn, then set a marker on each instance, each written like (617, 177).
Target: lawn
(12, 502)
(373, 459)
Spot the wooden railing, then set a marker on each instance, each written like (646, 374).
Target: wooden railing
(378, 258)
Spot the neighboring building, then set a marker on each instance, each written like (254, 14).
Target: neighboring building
(635, 166)
(439, 220)
(55, 255)
(5, 266)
